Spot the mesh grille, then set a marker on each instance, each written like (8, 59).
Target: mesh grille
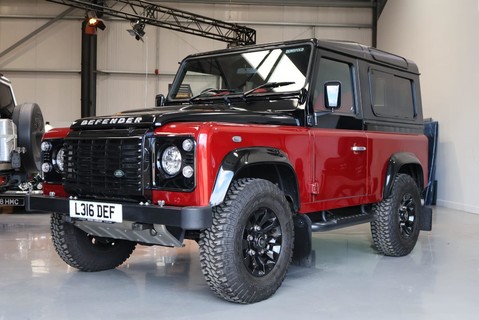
(104, 167)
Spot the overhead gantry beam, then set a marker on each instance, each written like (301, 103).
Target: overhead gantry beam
(169, 18)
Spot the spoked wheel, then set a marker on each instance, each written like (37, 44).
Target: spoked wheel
(262, 242)
(396, 228)
(246, 253)
(407, 215)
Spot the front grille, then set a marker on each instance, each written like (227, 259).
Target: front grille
(106, 168)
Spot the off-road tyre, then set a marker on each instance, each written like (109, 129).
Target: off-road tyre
(86, 252)
(395, 229)
(245, 255)
(30, 127)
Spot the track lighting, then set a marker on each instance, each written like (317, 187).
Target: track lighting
(137, 30)
(93, 23)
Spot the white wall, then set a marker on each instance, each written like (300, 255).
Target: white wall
(442, 37)
(125, 60)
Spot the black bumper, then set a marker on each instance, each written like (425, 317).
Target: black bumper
(186, 218)
(14, 198)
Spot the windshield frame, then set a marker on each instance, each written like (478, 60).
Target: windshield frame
(179, 78)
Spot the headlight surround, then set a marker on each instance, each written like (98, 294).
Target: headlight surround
(170, 160)
(174, 161)
(53, 154)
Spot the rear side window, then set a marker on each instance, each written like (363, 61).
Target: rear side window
(391, 95)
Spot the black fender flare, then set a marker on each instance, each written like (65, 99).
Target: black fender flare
(237, 160)
(396, 162)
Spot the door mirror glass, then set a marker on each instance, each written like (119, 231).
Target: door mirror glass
(332, 92)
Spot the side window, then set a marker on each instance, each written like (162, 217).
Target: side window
(391, 95)
(332, 70)
(7, 104)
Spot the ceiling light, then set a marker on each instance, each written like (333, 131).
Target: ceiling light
(93, 22)
(137, 30)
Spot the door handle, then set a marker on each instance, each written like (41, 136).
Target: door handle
(358, 148)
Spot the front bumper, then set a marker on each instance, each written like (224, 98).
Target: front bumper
(185, 218)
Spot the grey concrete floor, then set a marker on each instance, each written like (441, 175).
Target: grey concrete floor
(438, 280)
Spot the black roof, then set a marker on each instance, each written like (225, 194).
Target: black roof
(350, 48)
(368, 53)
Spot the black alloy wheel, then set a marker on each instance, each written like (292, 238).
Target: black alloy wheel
(407, 215)
(262, 242)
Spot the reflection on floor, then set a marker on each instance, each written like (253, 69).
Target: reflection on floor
(439, 280)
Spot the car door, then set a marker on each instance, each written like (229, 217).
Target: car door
(340, 145)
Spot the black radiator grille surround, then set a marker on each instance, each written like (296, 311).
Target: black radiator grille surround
(105, 167)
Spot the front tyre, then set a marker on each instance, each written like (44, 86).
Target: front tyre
(396, 228)
(84, 251)
(246, 253)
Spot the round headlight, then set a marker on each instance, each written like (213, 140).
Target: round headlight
(171, 160)
(46, 167)
(188, 172)
(46, 146)
(187, 145)
(60, 159)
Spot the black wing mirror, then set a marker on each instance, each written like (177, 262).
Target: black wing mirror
(160, 100)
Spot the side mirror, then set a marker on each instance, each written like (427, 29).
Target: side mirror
(160, 100)
(332, 94)
(303, 95)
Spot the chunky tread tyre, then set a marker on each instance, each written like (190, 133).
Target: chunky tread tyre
(231, 248)
(86, 252)
(396, 228)
(30, 126)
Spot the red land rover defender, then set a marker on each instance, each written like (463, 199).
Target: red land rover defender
(252, 150)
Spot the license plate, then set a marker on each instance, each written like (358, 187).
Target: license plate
(12, 201)
(97, 211)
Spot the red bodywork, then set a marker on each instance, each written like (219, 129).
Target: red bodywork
(330, 173)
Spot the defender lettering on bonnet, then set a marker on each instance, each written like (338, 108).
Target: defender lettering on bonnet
(105, 121)
(253, 149)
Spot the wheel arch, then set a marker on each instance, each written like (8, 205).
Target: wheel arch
(403, 162)
(259, 162)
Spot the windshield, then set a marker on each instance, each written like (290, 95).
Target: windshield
(273, 70)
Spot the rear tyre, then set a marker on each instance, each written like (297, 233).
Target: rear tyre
(86, 252)
(246, 253)
(396, 228)
(30, 127)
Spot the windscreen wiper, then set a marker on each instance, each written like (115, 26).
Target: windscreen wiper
(268, 85)
(211, 92)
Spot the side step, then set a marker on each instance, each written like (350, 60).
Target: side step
(342, 222)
